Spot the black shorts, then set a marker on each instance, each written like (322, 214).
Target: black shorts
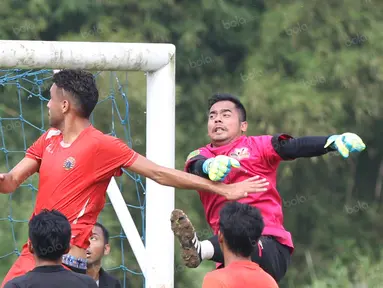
(273, 257)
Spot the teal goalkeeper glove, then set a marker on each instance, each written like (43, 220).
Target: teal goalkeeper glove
(217, 168)
(346, 143)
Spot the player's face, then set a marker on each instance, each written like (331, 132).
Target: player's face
(97, 248)
(224, 123)
(55, 105)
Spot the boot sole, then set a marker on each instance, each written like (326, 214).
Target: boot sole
(185, 232)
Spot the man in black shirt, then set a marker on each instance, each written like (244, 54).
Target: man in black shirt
(49, 240)
(98, 248)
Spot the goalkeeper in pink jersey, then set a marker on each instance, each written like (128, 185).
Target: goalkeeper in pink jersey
(232, 157)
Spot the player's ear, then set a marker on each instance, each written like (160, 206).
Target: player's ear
(30, 247)
(106, 249)
(220, 237)
(244, 126)
(65, 106)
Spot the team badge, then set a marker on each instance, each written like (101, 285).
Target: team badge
(69, 163)
(193, 154)
(240, 153)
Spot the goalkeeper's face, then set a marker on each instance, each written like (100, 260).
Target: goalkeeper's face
(224, 125)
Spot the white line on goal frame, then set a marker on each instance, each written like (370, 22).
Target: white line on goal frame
(156, 260)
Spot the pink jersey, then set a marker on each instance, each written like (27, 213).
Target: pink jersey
(257, 157)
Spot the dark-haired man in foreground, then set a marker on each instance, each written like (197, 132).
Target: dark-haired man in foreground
(76, 162)
(49, 234)
(249, 156)
(240, 227)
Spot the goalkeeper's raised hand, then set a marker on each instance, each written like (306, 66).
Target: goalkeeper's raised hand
(345, 143)
(218, 167)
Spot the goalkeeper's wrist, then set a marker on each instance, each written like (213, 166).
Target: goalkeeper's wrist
(206, 164)
(332, 139)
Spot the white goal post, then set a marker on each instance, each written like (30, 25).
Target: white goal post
(156, 260)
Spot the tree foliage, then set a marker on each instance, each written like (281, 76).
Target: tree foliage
(300, 67)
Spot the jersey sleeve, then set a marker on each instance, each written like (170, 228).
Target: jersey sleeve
(36, 150)
(269, 146)
(111, 156)
(277, 141)
(199, 154)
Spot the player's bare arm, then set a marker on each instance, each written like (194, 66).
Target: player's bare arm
(179, 179)
(9, 182)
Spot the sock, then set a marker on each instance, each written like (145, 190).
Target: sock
(218, 255)
(207, 250)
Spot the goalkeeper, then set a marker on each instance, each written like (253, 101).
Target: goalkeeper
(75, 162)
(231, 157)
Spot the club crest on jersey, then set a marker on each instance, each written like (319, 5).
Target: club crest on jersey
(69, 163)
(240, 153)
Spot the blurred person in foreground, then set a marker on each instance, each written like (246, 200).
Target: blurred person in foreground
(231, 157)
(240, 227)
(49, 234)
(98, 248)
(76, 162)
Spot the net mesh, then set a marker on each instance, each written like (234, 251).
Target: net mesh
(23, 118)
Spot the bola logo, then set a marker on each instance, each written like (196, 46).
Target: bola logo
(69, 163)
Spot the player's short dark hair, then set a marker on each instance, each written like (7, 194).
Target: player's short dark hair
(241, 226)
(50, 234)
(105, 232)
(82, 85)
(228, 97)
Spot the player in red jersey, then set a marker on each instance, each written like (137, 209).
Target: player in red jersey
(250, 155)
(75, 162)
(240, 227)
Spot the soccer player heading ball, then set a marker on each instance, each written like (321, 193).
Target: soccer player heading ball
(232, 157)
(75, 162)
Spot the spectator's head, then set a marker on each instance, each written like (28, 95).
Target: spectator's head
(74, 93)
(227, 119)
(241, 226)
(49, 235)
(99, 245)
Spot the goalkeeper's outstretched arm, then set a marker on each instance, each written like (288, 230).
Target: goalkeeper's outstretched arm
(289, 148)
(9, 182)
(281, 146)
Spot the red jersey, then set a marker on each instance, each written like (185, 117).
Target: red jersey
(257, 157)
(73, 178)
(239, 274)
